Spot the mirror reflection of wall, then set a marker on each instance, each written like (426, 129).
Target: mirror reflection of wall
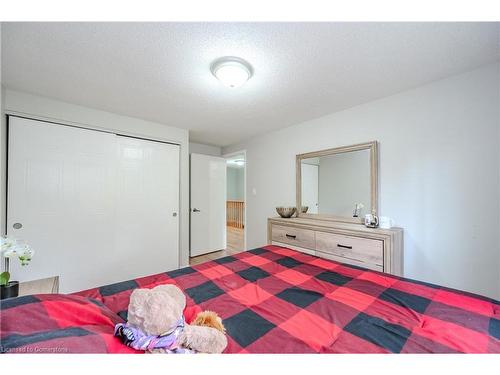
(334, 184)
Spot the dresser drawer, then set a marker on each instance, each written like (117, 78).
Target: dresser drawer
(364, 252)
(370, 266)
(293, 236)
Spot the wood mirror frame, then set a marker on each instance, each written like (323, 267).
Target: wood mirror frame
(373, 147)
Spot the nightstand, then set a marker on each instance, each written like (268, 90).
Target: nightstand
(49, 285)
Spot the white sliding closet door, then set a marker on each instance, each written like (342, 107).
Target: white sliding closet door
(96, 207)
(147, 206)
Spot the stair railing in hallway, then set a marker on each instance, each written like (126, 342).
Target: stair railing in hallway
(235, 213)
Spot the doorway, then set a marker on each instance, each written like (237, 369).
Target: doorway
(310, 184)
(208, 205)
(235, 208)
(235, 202)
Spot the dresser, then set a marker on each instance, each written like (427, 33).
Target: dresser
(48, 285)
(372, 248)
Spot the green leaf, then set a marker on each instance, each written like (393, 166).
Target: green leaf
(4, 278)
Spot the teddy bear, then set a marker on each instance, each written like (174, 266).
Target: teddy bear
(156, 324)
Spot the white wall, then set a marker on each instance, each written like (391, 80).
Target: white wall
(198, 148)
(439, 174)
(235, 183)
(42, 108)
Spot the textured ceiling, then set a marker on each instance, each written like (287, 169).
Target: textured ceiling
(160, 71)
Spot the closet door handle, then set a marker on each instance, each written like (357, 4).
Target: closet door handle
(290, 236)
(196, 210)
(344, 246)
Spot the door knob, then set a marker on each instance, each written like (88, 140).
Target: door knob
(174, 214)
(196, 210)
(17, 226)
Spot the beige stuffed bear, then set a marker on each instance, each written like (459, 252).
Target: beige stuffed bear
(156, 324)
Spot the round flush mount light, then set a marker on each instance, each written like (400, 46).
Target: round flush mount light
(236, 162)
(231, 71)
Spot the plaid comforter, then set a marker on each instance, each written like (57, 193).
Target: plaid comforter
(272, 300)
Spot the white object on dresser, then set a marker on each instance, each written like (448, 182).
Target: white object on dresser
(372, 248)
(385, 222)
(49, 285)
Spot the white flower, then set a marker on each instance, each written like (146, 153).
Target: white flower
(25, 253)
(10, 252)
(12, 248)
(7, 243)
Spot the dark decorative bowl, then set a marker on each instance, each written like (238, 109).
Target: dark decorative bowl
(285, 212)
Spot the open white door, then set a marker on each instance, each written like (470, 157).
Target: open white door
(310, 189)
(208, 204)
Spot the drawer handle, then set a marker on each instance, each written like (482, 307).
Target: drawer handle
(344, 246)
(290, 236)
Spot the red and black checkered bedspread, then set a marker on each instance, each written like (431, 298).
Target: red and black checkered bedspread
(272, 300)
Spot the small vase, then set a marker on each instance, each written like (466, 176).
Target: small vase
(10, 290)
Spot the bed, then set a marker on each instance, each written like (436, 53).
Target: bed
(272, 300)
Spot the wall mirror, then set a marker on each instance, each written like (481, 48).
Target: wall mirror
(338, 184)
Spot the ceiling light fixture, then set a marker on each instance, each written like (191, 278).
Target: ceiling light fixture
(231, 71)
(236, 162)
